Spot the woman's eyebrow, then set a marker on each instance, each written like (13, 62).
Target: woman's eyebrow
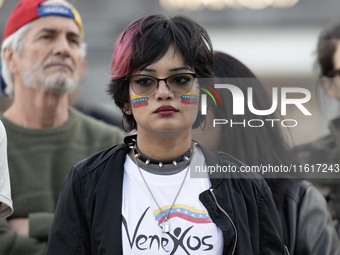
(187, 68)
(175, 69)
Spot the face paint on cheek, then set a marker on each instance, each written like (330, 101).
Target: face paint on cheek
(190, 98)
(138, 101)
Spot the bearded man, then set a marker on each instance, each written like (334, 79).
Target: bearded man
(42, 56)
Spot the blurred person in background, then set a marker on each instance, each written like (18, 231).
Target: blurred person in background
(306, 222)
(326, 150)
(6, 205)
(138, 198)
(42, 54)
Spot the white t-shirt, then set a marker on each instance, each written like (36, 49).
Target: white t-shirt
(6, 206)
(191, 228)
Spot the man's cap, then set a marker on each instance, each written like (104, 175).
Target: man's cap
(27, 11)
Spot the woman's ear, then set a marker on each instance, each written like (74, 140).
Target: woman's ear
(127, 109)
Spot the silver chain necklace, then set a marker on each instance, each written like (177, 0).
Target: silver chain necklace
(165, 223)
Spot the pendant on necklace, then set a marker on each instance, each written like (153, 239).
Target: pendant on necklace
(166, 226)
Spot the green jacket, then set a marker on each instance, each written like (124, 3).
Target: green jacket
(39, 160)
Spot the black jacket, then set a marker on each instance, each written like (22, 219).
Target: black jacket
(306, 222)
(88, 215)
(325, 151)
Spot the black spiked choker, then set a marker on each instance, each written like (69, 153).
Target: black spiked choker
(184, 157)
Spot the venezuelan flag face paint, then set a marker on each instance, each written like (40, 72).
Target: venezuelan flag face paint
(139, 101)
(190, 98)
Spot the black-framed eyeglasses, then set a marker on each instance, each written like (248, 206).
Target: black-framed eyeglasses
(144, 85)
(333, 73)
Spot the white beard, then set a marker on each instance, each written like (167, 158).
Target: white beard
(57, 83)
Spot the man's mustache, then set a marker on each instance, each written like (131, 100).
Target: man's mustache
(57, 60)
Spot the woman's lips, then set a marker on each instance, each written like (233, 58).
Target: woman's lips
(166, 110)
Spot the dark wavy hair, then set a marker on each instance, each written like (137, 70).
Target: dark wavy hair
(145, 41)
(327, 44)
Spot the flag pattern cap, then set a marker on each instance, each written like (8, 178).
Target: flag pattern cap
(27, 11)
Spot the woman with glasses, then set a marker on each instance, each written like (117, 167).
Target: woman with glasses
(325, 151)
(142, 197)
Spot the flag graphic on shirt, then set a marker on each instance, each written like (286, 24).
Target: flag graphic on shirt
(184, 212)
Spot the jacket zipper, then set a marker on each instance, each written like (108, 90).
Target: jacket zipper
(226, 214)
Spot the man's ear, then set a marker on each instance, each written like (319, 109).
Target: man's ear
(329, 86)
(127, 109)
(9, 57)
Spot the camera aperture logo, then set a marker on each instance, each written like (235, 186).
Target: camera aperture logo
(300, 97)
